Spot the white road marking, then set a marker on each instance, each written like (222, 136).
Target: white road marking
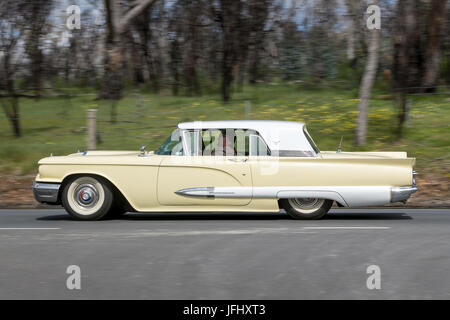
(339, 228)
(213, 232)
(30, 228)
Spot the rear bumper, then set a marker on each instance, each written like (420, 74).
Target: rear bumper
(402, 194)
(46, 192)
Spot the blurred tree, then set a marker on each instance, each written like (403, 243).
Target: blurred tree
(35, 13)
(351, 31)
(356, 34)
(199, 46)
(258, 14)
(320, 27)
(227, 13)
(290, 49)
(407, 56)
(118, 20)
(146, 53)
(366, 85)
(175, 28)
(445, 40)
(432, 57)
(192, 9)
(11, 31)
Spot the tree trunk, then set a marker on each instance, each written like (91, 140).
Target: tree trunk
(229, 18)
(401, 115)
(407, 62)
(15, 119)
(113, 111)
(11, 113)
(241, 74)
(366, 87)
(174, 62)
(112, 78)
(13, 116)
(432, 52)
(112, 84)
(135, 58)
(406, 66)
(352, 33)
(192, 39)
(254, 66)
(226, 80)
(117, 24)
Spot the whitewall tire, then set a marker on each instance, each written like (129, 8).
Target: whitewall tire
(306, 208)
(87, 198)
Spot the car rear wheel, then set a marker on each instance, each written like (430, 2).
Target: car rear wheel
(87, 198)
(306, 208)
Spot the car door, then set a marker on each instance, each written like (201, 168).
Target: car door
(190, 179)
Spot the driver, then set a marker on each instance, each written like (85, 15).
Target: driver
(227, 146)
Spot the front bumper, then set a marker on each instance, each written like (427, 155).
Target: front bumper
(46, 192)
(402, 194)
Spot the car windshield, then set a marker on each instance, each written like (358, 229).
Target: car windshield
(172, 145)
(310, 140)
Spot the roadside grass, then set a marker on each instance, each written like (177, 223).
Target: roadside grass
(58, 125)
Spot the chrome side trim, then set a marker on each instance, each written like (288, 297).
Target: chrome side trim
(213, 192)
(46, 192)
(346, 195)
(399, 194)
(207, 192)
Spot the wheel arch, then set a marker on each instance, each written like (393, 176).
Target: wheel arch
(338, 203)
(118, 194)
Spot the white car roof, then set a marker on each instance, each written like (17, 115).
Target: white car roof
(286, 136)
(241, 124)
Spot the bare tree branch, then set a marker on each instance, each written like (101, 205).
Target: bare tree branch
(130, 15)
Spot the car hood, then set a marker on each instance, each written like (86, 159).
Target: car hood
(105, 153)
(95, 157)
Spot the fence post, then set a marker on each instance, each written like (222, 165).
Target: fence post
(248, 109)
(91, 129)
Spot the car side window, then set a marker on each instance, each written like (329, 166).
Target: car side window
(172, 145)
(218, 142)
(230, 142)
(191, 142)
(257, 146)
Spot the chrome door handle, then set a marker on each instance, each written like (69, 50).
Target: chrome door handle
(237, 159)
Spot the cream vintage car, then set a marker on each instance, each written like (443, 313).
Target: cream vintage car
(251, 166)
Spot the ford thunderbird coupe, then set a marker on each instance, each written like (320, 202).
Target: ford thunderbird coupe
(244, 166)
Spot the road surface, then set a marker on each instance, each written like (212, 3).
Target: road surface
(227, 255)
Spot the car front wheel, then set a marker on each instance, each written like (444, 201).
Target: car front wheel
(87, 198)
(306, 208)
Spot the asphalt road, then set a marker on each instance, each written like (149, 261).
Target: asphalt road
(227, 255)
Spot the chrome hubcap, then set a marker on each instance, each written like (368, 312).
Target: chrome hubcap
(306, 205)
(306, 202)
(86, 195)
